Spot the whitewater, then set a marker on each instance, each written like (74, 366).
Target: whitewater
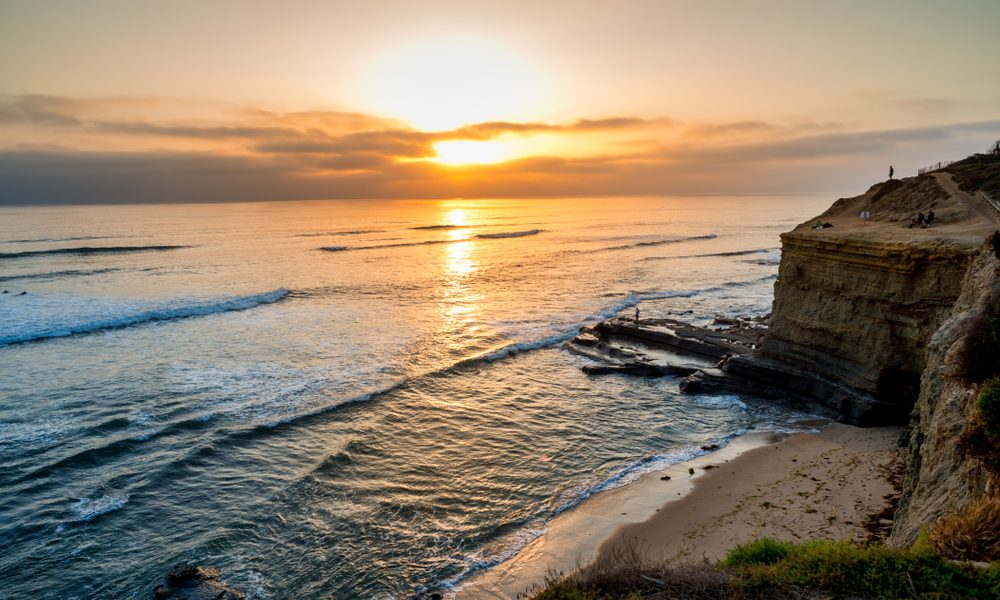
(354, 399)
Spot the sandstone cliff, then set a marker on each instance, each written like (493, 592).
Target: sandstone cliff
(878, 321)
(857, 301)
(941, 476)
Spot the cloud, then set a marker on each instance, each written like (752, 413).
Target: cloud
(493, 129)
(37, 109)
(161, 150)
(924, 106)
(391, 143)
(190, 131)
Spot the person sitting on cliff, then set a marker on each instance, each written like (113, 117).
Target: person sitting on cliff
(930, 219)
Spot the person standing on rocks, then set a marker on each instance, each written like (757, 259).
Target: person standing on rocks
(636, 315)
(890, 171)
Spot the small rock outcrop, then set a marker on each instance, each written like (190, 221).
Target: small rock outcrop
(190, 582)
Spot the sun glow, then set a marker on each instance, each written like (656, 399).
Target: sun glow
(448, 82)
(464, 152)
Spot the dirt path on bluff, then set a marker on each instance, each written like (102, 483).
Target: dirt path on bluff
(976, 203)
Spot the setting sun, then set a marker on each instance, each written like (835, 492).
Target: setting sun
(453, 81)
(464, 152)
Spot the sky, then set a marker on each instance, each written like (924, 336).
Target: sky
(143, 101)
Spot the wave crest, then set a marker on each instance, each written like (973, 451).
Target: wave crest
(41, 316)
(86, 509)
(88, 250)
(512, 234)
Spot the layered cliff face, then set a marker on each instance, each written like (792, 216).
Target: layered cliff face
(856, 302)
(875, 319)
(858, 311)
(942, 477)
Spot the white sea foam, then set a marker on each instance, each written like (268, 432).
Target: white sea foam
(86, 509)
(727, 400)
(45, 315)
(630, 473)
(18, 438)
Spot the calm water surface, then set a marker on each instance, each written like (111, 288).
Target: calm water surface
(356, 399)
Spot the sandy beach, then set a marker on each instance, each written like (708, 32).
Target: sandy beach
(811, 485)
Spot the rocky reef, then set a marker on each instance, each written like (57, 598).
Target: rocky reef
(190, 582)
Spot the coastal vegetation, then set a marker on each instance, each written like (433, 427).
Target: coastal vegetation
(979, 172)
(771, 569)
(971, 534)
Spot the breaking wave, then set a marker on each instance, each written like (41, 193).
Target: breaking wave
(339, 233)
(41, 316)
(64, 239)
(665, 241)
(440, 227)
(512, 234)
(57, 274)
(89, 250)
(711, 254)
(86, 509)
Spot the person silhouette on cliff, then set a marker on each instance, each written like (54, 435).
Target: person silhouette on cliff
(890, 171)
(636, 315)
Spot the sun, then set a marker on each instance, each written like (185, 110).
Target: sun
(466, 152)
(447, 82)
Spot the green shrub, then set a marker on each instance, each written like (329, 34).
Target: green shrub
(981, 438)
(866, 571)
(988, 408)
(978, 172)
(770, 569)
(764, 551)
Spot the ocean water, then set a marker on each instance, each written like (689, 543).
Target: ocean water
(348, 399)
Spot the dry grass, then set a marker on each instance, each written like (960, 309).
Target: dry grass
(773, 570)
(971, 534)
(627, 574)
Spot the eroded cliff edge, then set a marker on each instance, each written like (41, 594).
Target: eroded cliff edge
(884, 322)
(944, 475)
(877, 322)
(856, 301)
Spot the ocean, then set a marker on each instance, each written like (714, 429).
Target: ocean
(350, 399)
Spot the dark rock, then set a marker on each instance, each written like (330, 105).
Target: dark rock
(710, 447)
(191, 582)
(665, 478)
(640, 369)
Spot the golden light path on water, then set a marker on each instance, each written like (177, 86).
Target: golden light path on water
(367, 383)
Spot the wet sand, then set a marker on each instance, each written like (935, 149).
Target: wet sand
(810, 485)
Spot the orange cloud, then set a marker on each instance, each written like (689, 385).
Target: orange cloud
(56, 149)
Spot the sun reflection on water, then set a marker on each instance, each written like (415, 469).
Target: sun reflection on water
(460, 300)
